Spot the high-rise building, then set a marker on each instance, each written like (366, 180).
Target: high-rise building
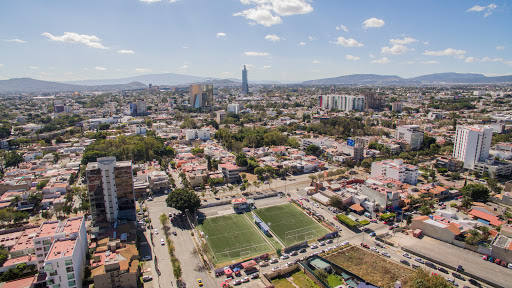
(110, 186)
(138, 108)
(410, 134)
(234, 108)
(472, 144)
(342, 102)
(201, 95)
(395, 169)
(245, 84)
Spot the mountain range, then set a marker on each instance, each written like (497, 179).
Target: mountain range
(29, 85)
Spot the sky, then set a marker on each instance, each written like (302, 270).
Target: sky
(280, 40)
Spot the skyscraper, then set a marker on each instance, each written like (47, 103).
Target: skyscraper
(472, 144)
(201, 95)
(245, 84)
(110, 186)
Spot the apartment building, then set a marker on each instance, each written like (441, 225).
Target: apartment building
(64, 264)
(472, 144)
(234, 108)
(386, 199)
(111, 194)
(411, 134)
(395, 169)
(231, 172)
(345, 103)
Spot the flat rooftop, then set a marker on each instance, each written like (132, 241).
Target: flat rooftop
(73, 225)
(61, 248)
(47, 229)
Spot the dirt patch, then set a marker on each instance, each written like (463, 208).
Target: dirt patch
(370, 266)
(250, 177)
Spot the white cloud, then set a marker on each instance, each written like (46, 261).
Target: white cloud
(266, 67)
(373, 23)
(382, 60)
(251, 53)
(221, 34)
(302, 43)
(268, 12)
(342, 27)
(316, 71)
(1, 65)
(316, 61)
(371, 56)
(142, 70)
(430, 62)
(150, 1)
(272, 38)
(500, 47)
(509, 63)
(71, 37)
(184, 47)
(184, 66)
(32, 67)
(445, 52)
(250, 66)
(351, 57)
(125, 51)
(462, 57)
(347, 42)
(16, 40)
(403, 41)
(486, 9)
(426, 42)
(489, 59)
(311, 38)
(395, 49)
(99, 68)
(470, 60)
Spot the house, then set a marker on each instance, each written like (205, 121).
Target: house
(436, 229)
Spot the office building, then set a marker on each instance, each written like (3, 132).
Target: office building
(201, 95)
(245, 83)
(472, 144)
(395, 169)
(110, 186)
(411, 134)
(234, 108)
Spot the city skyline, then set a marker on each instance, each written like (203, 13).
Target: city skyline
(281, 40)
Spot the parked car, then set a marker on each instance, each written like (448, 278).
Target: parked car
(345, 243)
(419, 260)
(285, 256)
(485, 257)
(146, 258)
(374, 249)
(147, 278)
(372, 234)
(415, 266)
(275, 268)
(405, 262)
(385, 254)
(303, 250)
(431, 265)
(255, 275)
(274, 260)
(441, 269)
(294, 253)
(321, 243)
(458, 276)
(406, 255)
(328, 241)
(162, 242)
(264, 264)
(200, 282)
(313, 246)
(474, 282)
(245, 280)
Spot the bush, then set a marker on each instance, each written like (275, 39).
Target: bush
(453, 205)
(347, 221)
(387, 216)
(364, 222)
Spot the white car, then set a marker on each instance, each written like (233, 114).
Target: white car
(156, 231)
(289, 264)
(314, 246)
(345, 243)
(245, 280)
(374, 249)
(321, 243)
(406, 255)
(162, 241)
(285, 256)
(274, 260)
(385, 254)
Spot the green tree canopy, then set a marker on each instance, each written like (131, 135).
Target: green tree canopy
(183, 199)
(313, 150)
(477, 192)
(13, 158)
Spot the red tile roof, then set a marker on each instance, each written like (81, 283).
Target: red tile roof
(493, 220)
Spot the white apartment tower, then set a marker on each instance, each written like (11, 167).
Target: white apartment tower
(472, 144)
(395, 169)
(345, 103)
(234, 108)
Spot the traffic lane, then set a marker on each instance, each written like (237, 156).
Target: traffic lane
(454, 256)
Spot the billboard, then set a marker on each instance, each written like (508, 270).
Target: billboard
(351, 142)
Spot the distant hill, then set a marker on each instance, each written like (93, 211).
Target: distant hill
(29, 85)
(155, 79)
(438, 78)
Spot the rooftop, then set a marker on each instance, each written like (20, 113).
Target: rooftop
(61, 248)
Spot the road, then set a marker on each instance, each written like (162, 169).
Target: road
(184, 248)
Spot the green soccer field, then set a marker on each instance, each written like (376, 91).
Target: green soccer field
(289, 224)
(232, 238)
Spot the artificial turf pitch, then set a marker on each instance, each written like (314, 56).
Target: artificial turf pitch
(233, 237)
(290, 224)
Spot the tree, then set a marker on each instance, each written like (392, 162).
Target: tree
(59, 140)
(47, 215)
(15, 200)
(35, 198)
(259, 171)
(313, 150)
(335, 202)
(477, 192)
(425, 210)
(41, 184)
(241, 160)
(20, 216)
(466, 202)
(321, 274)
(494, 185)
(409, 220)
(183, 199)
(12, 159)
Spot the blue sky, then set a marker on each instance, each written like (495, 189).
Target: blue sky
(283, 40)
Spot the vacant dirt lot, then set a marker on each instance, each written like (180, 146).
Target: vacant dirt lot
(370, 266)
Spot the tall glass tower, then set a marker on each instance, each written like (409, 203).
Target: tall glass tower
(245, 85)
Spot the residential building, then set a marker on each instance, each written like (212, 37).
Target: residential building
(230, 171)
(221, 115)
(245, 83)
(386, 199)
(64, 264)
(441, 230)
(201, 95)
(119, 269)
(193, 134)
(411, 134)
(472, 144)
(234, 108)
(342, 102)
(493, 167)
(397, 106)
(110, 186)
(138, 108)
(395, 169)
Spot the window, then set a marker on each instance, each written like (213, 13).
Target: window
(69, 269)
(37, 242)
(71, 283)
(68, 262)
(71, 276)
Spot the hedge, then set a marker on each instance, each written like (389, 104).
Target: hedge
(364, 222)
(387, 216)
(347, 221)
